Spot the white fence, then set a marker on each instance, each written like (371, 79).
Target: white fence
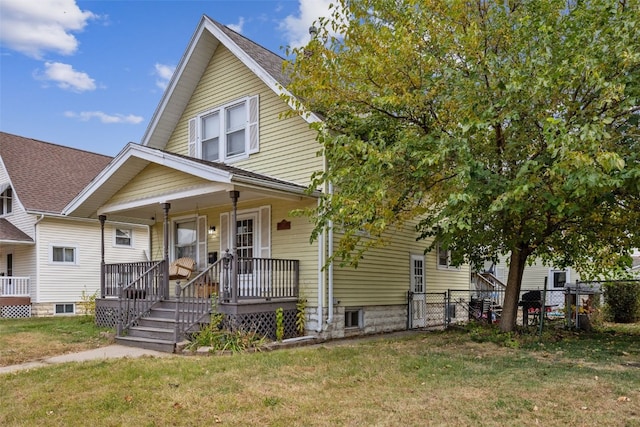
(12, 286)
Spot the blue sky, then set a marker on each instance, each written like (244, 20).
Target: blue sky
(90, 73)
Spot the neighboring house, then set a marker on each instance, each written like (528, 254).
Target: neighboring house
(220, 169)
(47, 260)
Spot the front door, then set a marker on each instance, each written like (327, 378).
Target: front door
(247, 250)
(418, 302)
(10, 289)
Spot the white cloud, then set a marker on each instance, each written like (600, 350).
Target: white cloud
(163, 74)
(35, 27)
(237, 27)
(296, 27)
(67, 78)
(85, 116)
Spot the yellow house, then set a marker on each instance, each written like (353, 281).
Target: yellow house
(216, 177)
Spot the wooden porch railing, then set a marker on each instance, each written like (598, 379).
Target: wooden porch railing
(117, 276)
(13, 286)
(257, 278)
(267, 278)
(138, 295)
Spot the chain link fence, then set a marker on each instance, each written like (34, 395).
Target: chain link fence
(572, 304)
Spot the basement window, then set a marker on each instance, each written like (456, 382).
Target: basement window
(353, 318)
(65, 309)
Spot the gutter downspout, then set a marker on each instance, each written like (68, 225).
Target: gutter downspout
(330, 269)
(320, 280)
(37, 278)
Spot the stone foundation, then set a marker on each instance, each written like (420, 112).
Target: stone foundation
(374, 320)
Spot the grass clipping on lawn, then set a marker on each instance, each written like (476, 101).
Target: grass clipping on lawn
(448, 378)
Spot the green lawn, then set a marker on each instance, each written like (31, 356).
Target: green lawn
(461, 377)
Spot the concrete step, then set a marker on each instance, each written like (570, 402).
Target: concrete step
(167, 346)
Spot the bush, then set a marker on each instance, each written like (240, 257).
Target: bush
(622, 300)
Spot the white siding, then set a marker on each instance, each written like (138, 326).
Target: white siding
(65, 283)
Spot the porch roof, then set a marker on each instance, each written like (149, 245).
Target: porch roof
(218, 179)
(10, 234)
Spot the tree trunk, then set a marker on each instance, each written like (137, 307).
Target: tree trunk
(512, 294)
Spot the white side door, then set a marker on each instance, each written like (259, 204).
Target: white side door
(419, 302)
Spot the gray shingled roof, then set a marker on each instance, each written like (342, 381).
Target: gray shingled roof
(47, 176)
(9, 232)
(269, 61)
(237, 171)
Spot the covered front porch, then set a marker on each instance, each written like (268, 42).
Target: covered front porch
(185, 286)
(15, 299)
(224, 224)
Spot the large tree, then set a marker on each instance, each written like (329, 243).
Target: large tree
(506, 127)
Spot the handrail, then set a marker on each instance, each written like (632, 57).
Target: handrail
(194, 297)
(136, 298)
(494, 280)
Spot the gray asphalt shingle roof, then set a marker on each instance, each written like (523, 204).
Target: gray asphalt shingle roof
(47, 176)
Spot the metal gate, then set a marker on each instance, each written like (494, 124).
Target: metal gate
(426, 310)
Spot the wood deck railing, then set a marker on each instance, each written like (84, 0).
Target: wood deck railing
(137, 297)
(13, 286)
(119, 276)
(266, 278)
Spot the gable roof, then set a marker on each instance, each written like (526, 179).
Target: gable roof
(209, 34)
(134, 158)
(9, 233)
(45, 176)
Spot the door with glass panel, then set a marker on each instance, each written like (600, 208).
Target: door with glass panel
(418, 301)
(247, 249)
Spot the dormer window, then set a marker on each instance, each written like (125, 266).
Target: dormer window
(226, 133)
(6, 198)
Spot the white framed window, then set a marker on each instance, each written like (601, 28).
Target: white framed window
(185, 238)
(65, 309)
(123, 237)
(63, 254)
(6, 198)
(444, 258)
(225, 133)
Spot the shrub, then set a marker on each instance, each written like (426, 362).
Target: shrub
(622, 300)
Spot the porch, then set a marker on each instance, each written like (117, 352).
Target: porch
(150, 308)
(15, 299)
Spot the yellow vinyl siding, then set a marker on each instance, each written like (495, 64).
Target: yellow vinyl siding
(287, 146)
(285, 244)
(383, 276)
(155, 180)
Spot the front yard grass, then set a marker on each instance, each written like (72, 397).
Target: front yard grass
(459, 377)
(24, 340)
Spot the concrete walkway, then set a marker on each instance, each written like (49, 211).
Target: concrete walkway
(113, 351)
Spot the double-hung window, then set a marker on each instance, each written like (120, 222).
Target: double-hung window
(62, 254)
(124, 237)
(444, 258)
(5, 201)
(225, 133)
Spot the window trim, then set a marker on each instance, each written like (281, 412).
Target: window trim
(172, 237)
(115, 237)
(359, 312)
(6, 201)
(64, 306)
(251, 130)
(76, 254)
(448, 266)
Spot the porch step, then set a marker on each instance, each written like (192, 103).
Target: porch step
(167, 346)
(151, 333)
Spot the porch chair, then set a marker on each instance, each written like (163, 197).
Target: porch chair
(181, 268)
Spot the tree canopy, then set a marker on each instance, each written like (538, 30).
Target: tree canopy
(506, 127)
